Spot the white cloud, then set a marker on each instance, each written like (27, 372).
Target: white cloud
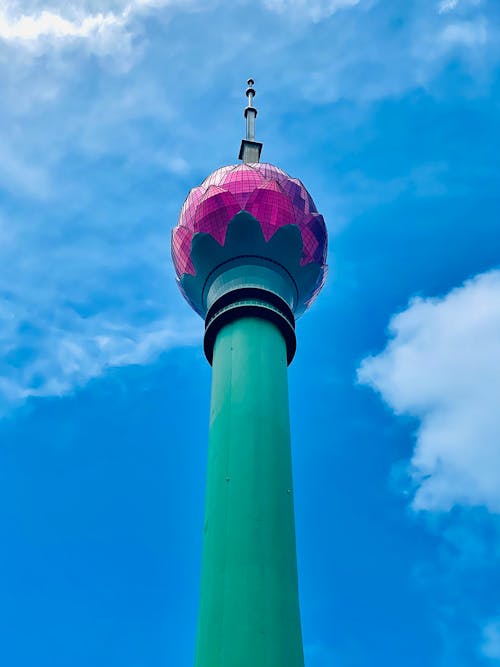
(442, 366)
(86, 281)
(69, 311)
(104, 32)
(79, 296)
(465, 33)
(36, 30)
(314, 9)
(491, 640)
(28, 24)
(447, 6)
(67, 357)
(49, 24)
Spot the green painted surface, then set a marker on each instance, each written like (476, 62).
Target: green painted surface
(249, 609)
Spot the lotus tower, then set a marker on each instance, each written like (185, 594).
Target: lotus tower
(249, 252)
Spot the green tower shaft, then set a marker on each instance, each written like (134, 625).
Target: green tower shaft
(249, 608)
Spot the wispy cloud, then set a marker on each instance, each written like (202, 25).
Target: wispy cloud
(491, 640)
(466, 33)
(447, 6)
(86, 282)
(60, 358)
(80, 296)
(314, 9)
(50, 24)
(106, 32)
(41, 30)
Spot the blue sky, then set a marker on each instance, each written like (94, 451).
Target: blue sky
(388, 112)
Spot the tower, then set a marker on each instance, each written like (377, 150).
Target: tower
(249, 252)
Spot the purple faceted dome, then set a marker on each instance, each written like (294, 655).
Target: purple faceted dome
(261, 189)
(270, 196)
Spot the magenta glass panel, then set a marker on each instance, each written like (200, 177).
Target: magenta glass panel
(315, 240)
(271, 207)
(188, 209)
(241, 182)
(216, 177)
(214, 212)
(181, 250)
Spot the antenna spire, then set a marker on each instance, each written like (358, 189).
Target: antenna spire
(250, 149)
(250, 111)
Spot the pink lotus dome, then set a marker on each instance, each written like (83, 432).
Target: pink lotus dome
(264, 191)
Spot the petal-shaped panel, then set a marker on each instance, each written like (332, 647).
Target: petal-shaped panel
(214, 213)
(272, 208)
(315, 240)
(181, 250)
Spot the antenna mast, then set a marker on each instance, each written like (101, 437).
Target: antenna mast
(250, 149)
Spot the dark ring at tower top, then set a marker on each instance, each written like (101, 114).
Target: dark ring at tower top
(250, 82)
(250, 302)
